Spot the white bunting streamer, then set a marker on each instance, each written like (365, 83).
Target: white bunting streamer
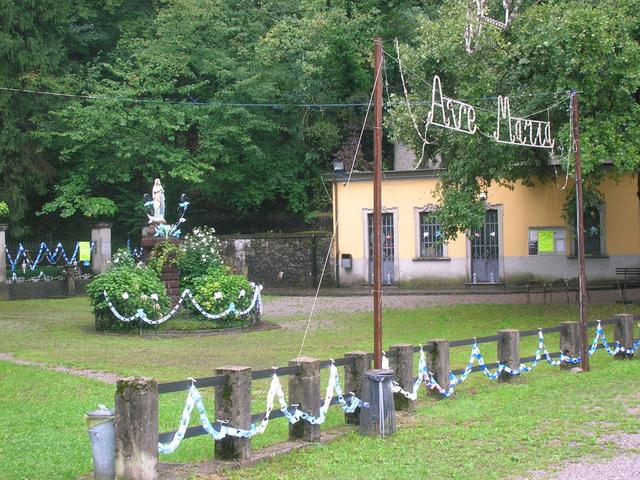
(275, 390)
(256, 302)
(426, 377)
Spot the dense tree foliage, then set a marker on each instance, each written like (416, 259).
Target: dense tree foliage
(207, 95)
(552, 47)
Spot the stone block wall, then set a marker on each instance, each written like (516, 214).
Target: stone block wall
(281, 260)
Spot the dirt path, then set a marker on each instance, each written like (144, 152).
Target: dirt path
(293, 305)
(109, 378)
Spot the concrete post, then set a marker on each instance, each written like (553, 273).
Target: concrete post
(509, 352)
(304, 390)
(354, 381)
(570, 342)
(101, 254)
(402, 365)
(623, 333)
(438, 364)
(136, 428)
(3, 256)
(233, 405)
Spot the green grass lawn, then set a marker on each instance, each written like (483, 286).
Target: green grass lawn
(492, 429)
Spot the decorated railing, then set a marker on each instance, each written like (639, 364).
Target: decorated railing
(42, 253)
(234, 424)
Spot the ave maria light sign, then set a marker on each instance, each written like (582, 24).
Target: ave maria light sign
(448, 113)
(459, 116)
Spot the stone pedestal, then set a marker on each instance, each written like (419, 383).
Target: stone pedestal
(136, 428)
(401, 362)
(570, 342)
(3, 256)
(623, 333)
(101, 254)
(304, 390)
(438, 364)
(509, 352)
(233, 405)
(71, 273)
(354, 381)
(171, 279)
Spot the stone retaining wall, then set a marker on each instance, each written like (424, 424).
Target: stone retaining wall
(44, 289)
(279, 259)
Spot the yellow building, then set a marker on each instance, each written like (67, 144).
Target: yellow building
(524, 235)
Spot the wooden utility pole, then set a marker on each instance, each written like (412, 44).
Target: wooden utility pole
(582, 278)
(377, 206)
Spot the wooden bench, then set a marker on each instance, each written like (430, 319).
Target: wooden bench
(627, 277)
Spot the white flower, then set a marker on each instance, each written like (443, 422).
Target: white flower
(154, 297)
(217, 295)
(242, 293)
(125, 296)
(144, 297)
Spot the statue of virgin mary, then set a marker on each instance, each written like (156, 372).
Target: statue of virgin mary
(158, 202)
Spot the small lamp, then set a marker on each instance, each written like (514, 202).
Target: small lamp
(338, 166)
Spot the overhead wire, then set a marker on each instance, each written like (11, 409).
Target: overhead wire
(187, 102)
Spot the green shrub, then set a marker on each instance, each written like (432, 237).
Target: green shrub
(165, 253)
(122, 258)
(216, 290)
(129, 288)
(200, 254)
(4, 211)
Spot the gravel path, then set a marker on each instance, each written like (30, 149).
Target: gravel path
(301, 306)
(625, 466)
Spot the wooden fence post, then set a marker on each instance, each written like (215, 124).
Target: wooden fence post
(401, 362)
(623, 333)
(438, 364)
(354, 380)
(304, 390)
(136, 428)
(508, 352)
(570, 342)
(233, 405)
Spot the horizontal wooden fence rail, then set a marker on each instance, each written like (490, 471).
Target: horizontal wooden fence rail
(136, 418)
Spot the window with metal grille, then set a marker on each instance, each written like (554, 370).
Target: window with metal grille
(431, 238)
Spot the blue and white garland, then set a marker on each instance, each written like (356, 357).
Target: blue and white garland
(256, 303)
(43, 251)
(275, 390)
(426, 377)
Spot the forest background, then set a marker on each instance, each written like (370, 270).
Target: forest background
(220, 99)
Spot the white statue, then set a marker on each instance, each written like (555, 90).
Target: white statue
(158, 203)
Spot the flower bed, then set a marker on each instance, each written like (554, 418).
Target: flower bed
(130, 296)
